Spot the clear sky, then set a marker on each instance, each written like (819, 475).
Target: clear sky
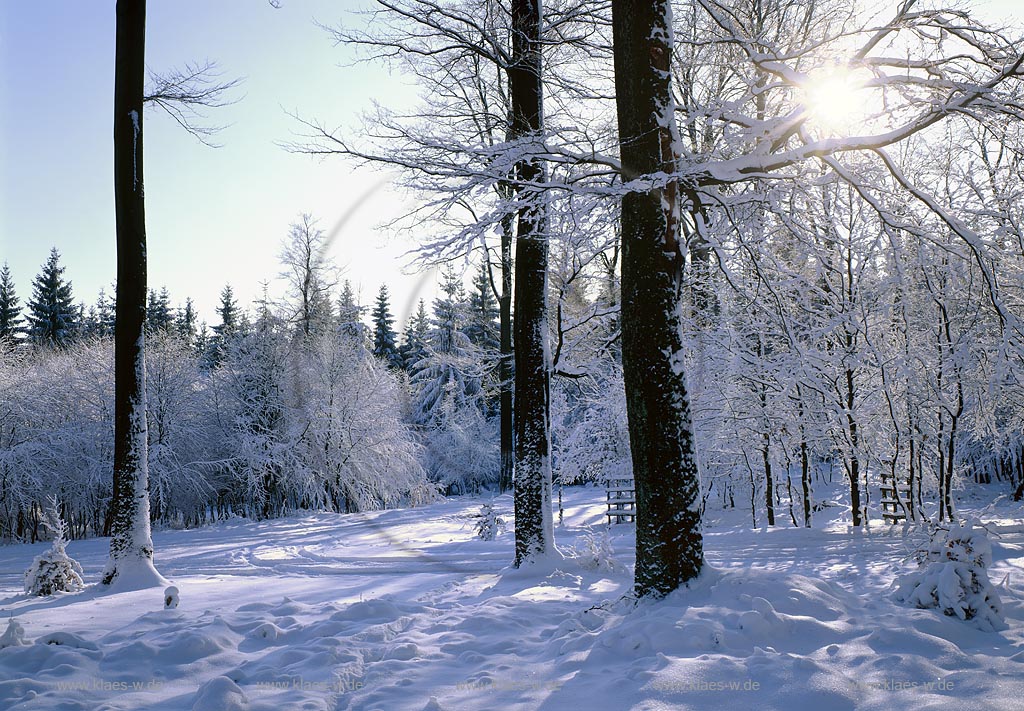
(213, 215)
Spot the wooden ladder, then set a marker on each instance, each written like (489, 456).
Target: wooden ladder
(894, 498)
(621, 499)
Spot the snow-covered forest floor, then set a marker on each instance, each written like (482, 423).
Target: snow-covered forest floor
(408, 609)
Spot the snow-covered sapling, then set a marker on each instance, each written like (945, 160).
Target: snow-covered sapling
(170, 598)
(489, 524)
(593, 551)
(54, 571)
(14, 635)
(952, 577)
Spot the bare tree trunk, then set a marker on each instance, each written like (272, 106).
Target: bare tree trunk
(131, 544)
(505, 372)
(805, 460)
(669, 545)
(532, 495)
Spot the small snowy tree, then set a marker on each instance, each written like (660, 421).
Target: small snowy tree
(488, 523)
(54, 571)
(14, 635)
(952, 577)
(593, 551)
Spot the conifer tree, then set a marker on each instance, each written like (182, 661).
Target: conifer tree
(158, 311)
(228, 312)
(229, 325)
(414, 338)
(383, 330)
(185, 322)
(11, 322)
(105, 313)
(52, 310)
(449, 313)
(350, 314)
(482, 316)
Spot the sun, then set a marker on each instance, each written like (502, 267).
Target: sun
(835, 99)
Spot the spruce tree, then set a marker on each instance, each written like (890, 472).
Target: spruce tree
(449, 313)
(185, 322)
(158, 311)
(52, 310)
(11, 322)
(383, 330)
(414, 339)
(482, 315)
(105, 313)
(350, 314)
(229, 325)
(228, 312)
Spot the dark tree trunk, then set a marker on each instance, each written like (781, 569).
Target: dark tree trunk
(669, 545)
(505, 368)
(769, 480)
(853, 468)
(805, 460)
(532, 495)
(131, 545)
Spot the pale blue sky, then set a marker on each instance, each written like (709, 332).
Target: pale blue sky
(213, 215)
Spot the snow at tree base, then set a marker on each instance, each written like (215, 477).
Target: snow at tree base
(401, 609)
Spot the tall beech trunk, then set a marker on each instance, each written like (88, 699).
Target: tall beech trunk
(669, 545)
(131, 544)
(505, 370)
(532, 495)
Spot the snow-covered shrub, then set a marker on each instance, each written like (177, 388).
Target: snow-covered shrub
(182, 431)
(461, 447)
(54, 570)
(489, 524)
(14, 635)
(952, 577)
(593, 551)
(347, 417)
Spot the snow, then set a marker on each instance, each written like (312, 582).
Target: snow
(134, 115)
(409, 609)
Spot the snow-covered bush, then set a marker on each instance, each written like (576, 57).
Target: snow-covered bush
(952, 577)
(593, 551)
(461, 447)
(14, 635)
(489, 524)
(54, 570)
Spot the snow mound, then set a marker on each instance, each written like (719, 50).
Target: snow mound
(220, 694)
(67, 639)
(134, 575)
(170, 598)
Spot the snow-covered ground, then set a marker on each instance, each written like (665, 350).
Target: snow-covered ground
(407, 609)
